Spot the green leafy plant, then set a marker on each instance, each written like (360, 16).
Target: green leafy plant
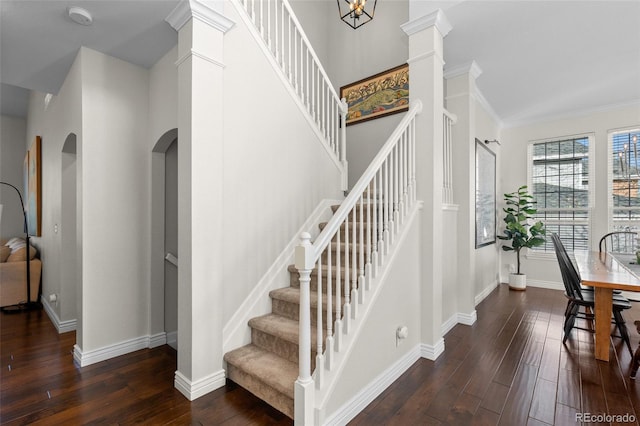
(519, 212)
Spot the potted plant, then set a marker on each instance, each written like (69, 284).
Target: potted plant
(519, 212)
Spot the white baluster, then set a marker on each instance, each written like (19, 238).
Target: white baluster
(347, 279)
(304, 385)
(413, 160)
(289, 37)
(387, 199)
(376, 213)
(269, 24)
(361, 284)
(396, 191)
(338, 333)
(367, 268)
(296, 66)
(329, 349)
(354, 265)
(319, 338)
(262, 19)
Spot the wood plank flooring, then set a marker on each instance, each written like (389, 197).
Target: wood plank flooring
(510, 368)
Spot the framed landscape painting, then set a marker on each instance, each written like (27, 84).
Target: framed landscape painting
(33, 185)
(382, 94)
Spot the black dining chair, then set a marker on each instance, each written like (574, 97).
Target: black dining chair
(577, 299)
(619, 242)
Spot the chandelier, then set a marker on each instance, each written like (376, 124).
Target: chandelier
(356, 13)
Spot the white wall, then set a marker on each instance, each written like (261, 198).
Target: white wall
(116, 198)
(349, 55)
(513, 165)
(54, 123)
(275, 169)
(12, 151)
(376, 348)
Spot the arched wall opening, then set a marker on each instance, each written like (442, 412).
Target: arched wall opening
(164, 240)
(70, 233)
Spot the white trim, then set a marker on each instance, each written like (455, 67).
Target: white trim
(458, 318)
(188, 9)
(551, 285)
(61, 326)
(366, 395)
(198, 55)
(157, 340)
(194, 390)
(172, 339)
(432, 352)
(449, 324)
(484, 103)
(436, 18)
(484, 293)
(332, 376)
(426, 55)
(244, 16)
(567, 115)
(468, 319)
(450, 207)
(236, 331)
(471, 68)
(111, 351)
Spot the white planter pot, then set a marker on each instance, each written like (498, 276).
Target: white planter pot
(518, 281)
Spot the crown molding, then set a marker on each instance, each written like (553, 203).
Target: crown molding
(471, 68)
(436, 18)
(196, 9)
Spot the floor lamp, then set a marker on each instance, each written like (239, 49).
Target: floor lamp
(28, 305)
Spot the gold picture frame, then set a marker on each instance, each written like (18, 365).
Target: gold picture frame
(377, 96)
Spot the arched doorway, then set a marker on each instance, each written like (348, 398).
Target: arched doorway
(70, 243)
(164, 239)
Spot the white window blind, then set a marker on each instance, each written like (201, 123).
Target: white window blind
(559, 181)
(624, 167)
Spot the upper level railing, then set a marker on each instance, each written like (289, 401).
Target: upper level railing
(448, 120)
(351, 248)
(291, 52)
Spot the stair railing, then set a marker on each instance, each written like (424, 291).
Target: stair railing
(448, 120)
(365, 225)
(289, 50)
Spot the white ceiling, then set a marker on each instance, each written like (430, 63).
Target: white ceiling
(539, 59)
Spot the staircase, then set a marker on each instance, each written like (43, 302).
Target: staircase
(268, 366)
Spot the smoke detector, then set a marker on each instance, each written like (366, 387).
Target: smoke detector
(80, 16)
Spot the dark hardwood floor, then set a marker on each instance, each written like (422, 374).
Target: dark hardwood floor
(510, 368)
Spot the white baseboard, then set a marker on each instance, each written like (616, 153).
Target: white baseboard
(366, 395)
(158, 340)
(432, 352)
(61, 326)
(468, 319)
(449, 324)
(172, 339)
(545, 284)
(484, 293)
(236, 332)
(84, 358)
(193, 390)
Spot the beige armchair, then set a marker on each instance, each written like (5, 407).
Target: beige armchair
(13, 272)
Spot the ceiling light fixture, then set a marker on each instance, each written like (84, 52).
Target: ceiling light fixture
(356, 13)
(80, 16)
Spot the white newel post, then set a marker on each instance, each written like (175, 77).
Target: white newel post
(304, 386)
(426, 33)
(201, 30)
(344, 107)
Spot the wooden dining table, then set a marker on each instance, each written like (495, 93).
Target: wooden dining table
(605, 273)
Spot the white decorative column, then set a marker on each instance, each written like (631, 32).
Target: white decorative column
(461, 101)
(426, 62)
(201, 28)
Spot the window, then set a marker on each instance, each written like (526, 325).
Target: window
(560, 185)
(624, 167)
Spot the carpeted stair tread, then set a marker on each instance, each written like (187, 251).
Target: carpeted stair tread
(281, 327)
(271, 369)
(292, 295)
